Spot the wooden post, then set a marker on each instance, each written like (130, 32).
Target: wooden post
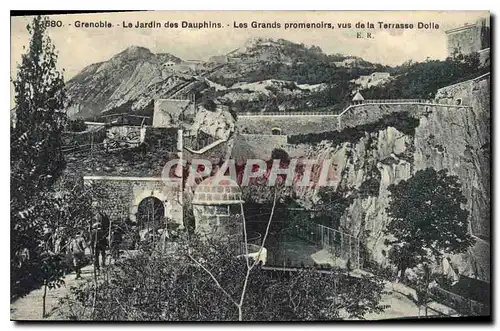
(333, 246)
(44, 298)
(341, 245)
(350, 248)
(321, 237)
(359, 261)
(91, 143)
(109, 240)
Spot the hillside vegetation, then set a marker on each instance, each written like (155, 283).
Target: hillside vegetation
(264, 76)
(285, 76)
(421, 80)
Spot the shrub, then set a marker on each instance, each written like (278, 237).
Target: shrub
(171, 286)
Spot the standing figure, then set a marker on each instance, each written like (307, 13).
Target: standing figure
(61, 241)
(56, 238)
(115, 243)
(64, 243)
(99, 242)
(48, 239)
(136, 237)
(77, 248)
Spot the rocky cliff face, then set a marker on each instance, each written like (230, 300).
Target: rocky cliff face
(129, 80)
(219, 124)
(132, 79)
(452, 138)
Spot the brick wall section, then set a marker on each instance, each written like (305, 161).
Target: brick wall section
(355, 115)
(467, 40)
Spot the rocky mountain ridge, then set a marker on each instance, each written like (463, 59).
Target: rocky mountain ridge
(131, 80)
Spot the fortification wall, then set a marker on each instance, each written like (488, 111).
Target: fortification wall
(467, 92)
(369, 113)
(119, 197)
(466, 40)
(299, 124)
(289, 125)
(473, 128)
(268, 139)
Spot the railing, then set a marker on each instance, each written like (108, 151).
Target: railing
(461, 304)
(338, 243)
(290, 113)
(356, 103)
(370, 101)
(254, 247)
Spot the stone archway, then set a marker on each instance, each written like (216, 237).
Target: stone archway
(150, 213)
(276, 131)
(119, 197)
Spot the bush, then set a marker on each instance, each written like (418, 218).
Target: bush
(403, 122)
(171, 286)
(77, 125)
(422, 80)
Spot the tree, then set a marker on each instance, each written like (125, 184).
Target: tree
(36, 157)
(427, 219)
(175, 286)
(330, 207)
(207, 277)
(423, 79)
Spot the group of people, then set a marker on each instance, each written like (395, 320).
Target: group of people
(97, 241)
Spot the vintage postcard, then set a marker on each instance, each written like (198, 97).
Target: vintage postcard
(250, 166)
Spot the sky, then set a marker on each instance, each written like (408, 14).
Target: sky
(79, 47)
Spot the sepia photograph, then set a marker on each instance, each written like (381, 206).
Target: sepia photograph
(250, 166)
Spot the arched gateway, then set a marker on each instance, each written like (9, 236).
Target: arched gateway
(121, 197)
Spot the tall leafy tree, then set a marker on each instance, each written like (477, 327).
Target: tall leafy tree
(427, 219)
(36, 157)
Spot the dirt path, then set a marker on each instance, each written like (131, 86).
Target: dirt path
(30, 306)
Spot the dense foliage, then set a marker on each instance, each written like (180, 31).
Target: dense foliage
(402, 121)
(330, 207)
(421, 80)
(298, 64)
(427, 219)
(36, 157)
(77, 125)
(171, 286)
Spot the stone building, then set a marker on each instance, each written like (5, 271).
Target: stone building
(119, 197)
(217, 207)
(469, 38)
